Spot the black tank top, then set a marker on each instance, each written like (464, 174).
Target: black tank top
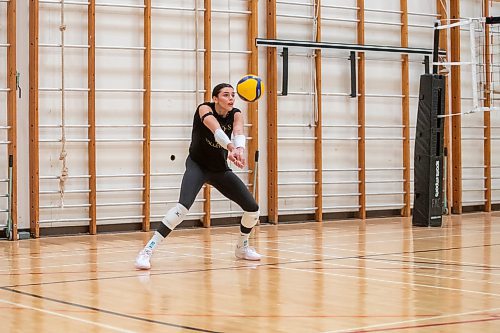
(204, 150)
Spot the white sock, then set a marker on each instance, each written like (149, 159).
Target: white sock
(154, 241)
(243, 240)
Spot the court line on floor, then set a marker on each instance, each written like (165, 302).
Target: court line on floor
(114, 313)
(387, 325)
(116, 329)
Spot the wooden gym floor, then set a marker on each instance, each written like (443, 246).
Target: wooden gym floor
(341, 276)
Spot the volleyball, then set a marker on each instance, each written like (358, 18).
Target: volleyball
(250, 88)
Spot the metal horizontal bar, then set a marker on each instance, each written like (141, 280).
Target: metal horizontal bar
(172, 125)
(66, 46)
(341, 207)
(65, 2)
(385, 95)
(474, 189)
(412, 25)
(189, 214)
(423, 14)
(83, 219)
(297, 125)
(473, 166)
(65, 89)
(340, 139)
(52, 177)
(186, 9)
(111, 218)
(297, 138)
(119, 5)
(162, 202)
(341, 126)
(329, 195)
(65, 206)
(473, 201)
(298, 183)
(233, 51)
(171, 139)
(298, 170)
(190, 91)
(385, 193)
(342, 182)
(384, 138)
(341, 46)
(59, 140)
(65, 126)
(156, 174)
(386, 205)
(374, 10)
(341, 169)
(131, 203)
(132, 189)
(384, 23)
(163, 188)
(297, 209)
(297, 196)
(338, 19)
(65, 191)
(231, 11)
(384, 126)
(116, 47)
(384, 169)
(4, 89)
(385, 181)
(473, 178)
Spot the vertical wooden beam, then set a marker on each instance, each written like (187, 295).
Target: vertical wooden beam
(91, 118)
(272, 117)
(318, 143)
(443, 44)
(207, 83)
(146, 119)
(487, 119)
(33, 118)
(11, 108)
(456, 107)
(405, 108)
(361, 112)
(253, 114)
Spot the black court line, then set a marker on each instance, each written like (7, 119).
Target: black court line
(369, 256)
(114, 313)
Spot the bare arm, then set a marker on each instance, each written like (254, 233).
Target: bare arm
(212, 123)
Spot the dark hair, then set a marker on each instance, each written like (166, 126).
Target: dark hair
(219, 87)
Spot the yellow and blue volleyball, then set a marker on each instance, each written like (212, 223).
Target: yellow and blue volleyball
(250, 88)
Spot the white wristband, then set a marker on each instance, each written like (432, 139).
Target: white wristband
(221, 138)
(239, 141)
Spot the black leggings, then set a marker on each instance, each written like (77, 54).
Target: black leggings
(226, 182)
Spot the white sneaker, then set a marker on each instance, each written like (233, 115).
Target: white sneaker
(142, 260)
(247, 253)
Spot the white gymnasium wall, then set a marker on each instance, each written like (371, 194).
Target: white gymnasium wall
(176, 70)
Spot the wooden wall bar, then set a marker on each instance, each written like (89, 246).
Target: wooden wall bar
(405, 108)
(207, 84)
(318, 143)
(146, 114)
(253, 112)
(11, 108)
(272, 117)
(33, 118)
(443, 45)
(91, 117)
(487, 118)
(456, 107)
(361, 111)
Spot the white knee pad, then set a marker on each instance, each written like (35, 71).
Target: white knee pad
(175, 216)
(250, 219)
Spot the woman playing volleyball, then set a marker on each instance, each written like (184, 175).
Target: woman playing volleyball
(213, 124)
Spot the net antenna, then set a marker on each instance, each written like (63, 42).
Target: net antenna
(484, 55)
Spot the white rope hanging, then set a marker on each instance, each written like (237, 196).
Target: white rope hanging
(62, 154)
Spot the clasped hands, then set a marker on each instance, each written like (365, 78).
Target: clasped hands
(237, 157)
